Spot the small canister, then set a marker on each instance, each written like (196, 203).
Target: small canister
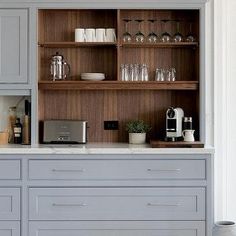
(187, 123)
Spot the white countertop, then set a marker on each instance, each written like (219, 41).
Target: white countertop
(100, 148)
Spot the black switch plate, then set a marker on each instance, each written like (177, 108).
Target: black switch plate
(111, 125)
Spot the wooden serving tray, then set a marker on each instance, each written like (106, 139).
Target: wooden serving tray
(179, 144)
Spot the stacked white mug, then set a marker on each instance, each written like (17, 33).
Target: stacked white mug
(95, 35)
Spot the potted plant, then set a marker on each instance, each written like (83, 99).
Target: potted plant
(137, 130)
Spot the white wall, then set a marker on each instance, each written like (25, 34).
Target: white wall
(230, 118)
(225, 112)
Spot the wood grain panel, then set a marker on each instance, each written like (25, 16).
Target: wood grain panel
(184, 16)
(107, 101)
(98, 106)
(183, 60)
(59, 25)
(89, 59)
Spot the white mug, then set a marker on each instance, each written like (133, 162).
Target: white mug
(100, 35)
(90, 35)
(188, 135)
(110, 35)
(79, 35)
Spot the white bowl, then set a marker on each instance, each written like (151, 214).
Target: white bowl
(93, 74)
(92, 78)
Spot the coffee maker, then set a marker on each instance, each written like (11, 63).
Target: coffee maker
(174, 119)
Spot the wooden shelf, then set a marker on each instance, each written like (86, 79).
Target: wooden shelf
(160, 45)
(125, 45)
(117, 85)
(75, 44)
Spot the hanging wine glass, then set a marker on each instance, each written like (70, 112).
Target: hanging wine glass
(126, 37)
(190, 37)
(178, 37)
(139, 36)
(152, 37)
(165, 37)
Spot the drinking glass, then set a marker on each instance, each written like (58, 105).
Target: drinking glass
(124, 72)
(173, 74)
(190, 37)
(139, 36)
(144, 72)
(165, 37)
(126, 37)
(159, 74)
(178, 37)
(131, 72)
(152, 37)
(170, 74)
(136, 72)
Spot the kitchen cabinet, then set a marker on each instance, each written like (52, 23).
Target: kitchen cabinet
(74, 196)
(10, 228)
(97, 101)
(13, 46)
(122, 228)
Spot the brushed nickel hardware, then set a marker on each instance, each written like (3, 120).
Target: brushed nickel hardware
(69, 170)
(177, 170)
(69, 205)
(163, 204)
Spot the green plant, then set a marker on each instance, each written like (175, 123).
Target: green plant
(137, 126)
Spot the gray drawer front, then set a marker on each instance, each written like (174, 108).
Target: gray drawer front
(10, 169)
(116, 169)
(9, 204)
(117, 204)
(101, 228)
(9, 228)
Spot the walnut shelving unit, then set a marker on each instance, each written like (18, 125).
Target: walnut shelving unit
(113, 99)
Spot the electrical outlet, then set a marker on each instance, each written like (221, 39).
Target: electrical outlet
(111, 125)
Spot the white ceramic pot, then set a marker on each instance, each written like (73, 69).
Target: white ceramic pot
(137, 138)
(224, 228)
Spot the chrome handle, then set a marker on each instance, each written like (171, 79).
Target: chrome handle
(163, 204)
(69, 205)
(64, 170)
(169, 170)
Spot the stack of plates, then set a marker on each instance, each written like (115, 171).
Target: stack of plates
(92, 76)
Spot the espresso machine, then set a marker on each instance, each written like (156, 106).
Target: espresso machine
(60, 69)
(174, 119)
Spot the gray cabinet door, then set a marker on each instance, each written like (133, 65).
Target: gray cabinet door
(115, 228)
(13, 45)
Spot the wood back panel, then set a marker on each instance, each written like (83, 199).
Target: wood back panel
(59, 25)
(182, 59)
(98, 106)
(184, 16)
(81, 60)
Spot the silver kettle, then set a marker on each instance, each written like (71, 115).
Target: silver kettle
(60, 69)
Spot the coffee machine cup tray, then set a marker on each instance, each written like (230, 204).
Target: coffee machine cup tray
(177, 144)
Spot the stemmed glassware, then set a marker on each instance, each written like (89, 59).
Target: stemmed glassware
(152, 37)
(127, 37)
(190, 37)
(139, 36)
(178, 37)
(165, 37)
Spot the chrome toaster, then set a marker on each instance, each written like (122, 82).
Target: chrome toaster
(65, 131)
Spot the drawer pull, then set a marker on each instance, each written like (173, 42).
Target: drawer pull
(69, 171)
(163, 204)
(167, 170)
(69, 205)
